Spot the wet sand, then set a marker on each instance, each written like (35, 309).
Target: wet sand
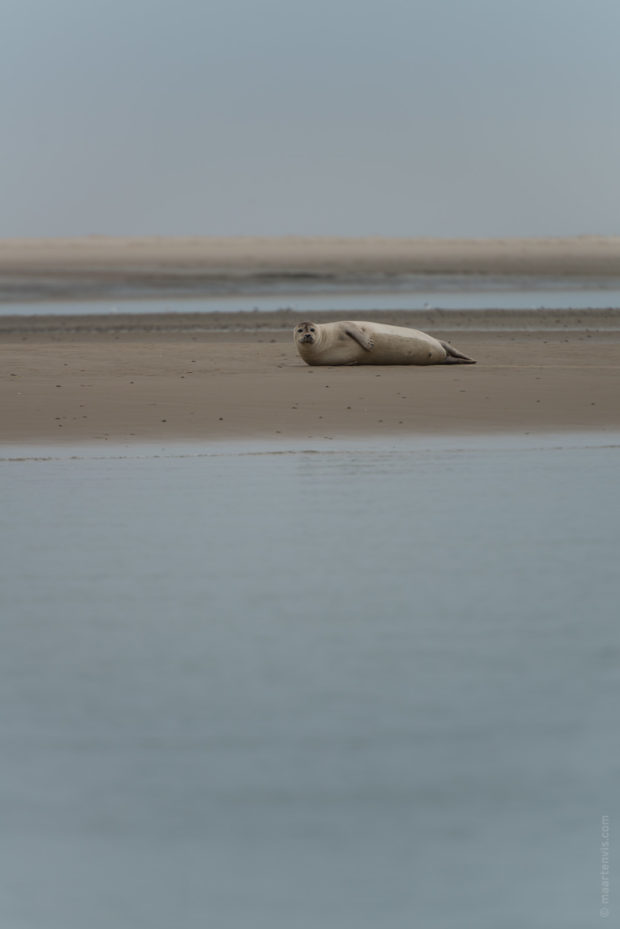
(173, 378)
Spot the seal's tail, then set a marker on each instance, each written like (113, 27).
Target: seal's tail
(454, 357)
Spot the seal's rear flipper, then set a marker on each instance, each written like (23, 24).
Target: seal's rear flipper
(455, 357)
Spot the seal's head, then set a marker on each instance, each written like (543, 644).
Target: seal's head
(306, 333)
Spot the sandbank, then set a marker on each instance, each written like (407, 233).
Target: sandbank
(127, 380)
(219, 376)
(97, 266)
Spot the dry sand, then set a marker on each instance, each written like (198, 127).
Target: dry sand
(160, 385)
(200, 377)
(552, 255)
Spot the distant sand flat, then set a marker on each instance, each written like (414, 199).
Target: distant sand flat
(587, 255)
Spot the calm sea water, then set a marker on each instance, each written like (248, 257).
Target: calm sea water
(451, 292)
(352, 687)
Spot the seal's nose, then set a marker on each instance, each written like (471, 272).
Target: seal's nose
(308, 337)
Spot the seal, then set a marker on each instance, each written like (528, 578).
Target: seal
(360, 343)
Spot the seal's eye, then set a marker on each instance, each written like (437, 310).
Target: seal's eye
(312, 329)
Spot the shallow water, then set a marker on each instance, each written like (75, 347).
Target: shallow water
(450, 292)
(353, 686)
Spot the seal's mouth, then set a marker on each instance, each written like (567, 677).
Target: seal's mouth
(308, 338)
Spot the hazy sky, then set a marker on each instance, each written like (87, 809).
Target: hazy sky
(342, 117)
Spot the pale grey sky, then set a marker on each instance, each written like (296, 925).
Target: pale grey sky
(341, 117)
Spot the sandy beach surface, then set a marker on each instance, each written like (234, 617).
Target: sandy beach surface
(204, 377)
(163, 384)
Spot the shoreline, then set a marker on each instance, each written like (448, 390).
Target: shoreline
(55, 450)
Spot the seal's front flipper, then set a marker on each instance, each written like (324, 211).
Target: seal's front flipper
(360, 336)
